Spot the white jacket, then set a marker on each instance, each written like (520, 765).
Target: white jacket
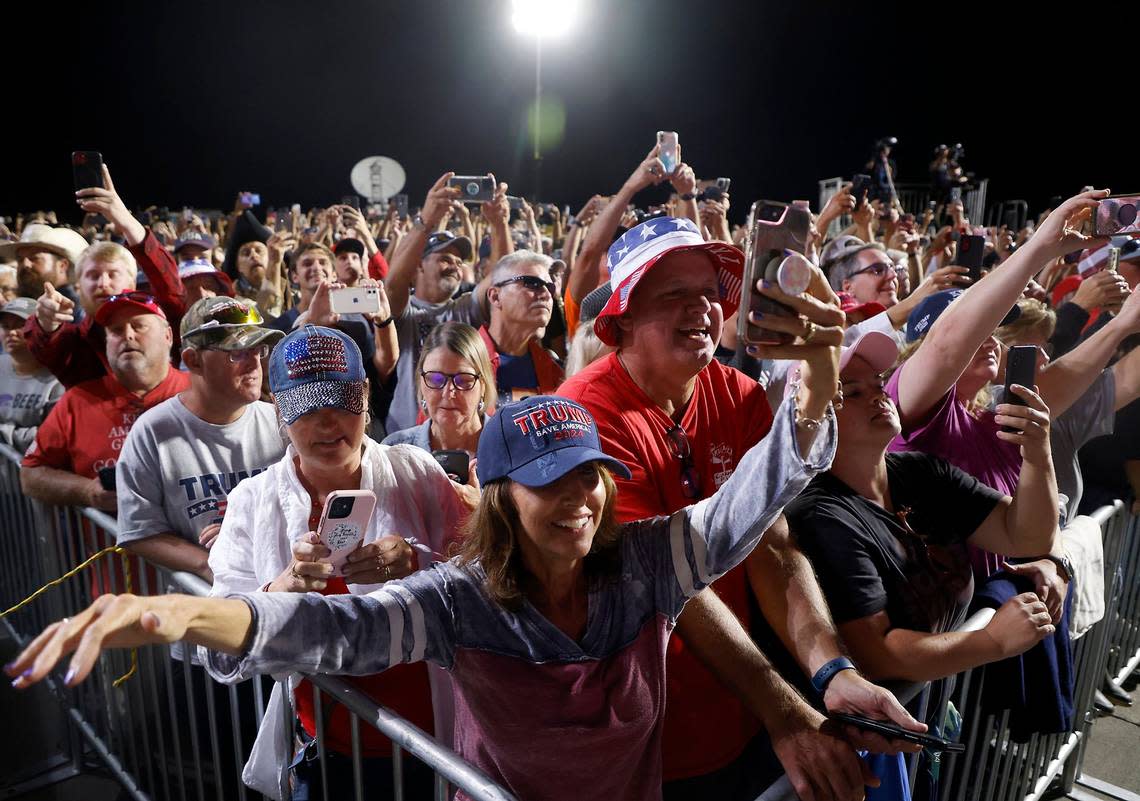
(270, 511)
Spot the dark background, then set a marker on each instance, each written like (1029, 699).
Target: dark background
(190, 102)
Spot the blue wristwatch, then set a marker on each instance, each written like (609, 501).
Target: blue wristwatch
(825, 674)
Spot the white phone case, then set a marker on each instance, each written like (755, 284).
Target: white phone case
(355, 300)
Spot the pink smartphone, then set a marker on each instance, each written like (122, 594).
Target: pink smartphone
(344, 522)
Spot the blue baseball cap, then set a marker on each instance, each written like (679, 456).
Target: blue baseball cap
(920, 320)
(538, 440)
(316, 368)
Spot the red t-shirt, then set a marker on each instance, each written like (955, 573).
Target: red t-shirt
(86, 430)
(706, 726)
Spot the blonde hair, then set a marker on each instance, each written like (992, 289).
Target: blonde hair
(585, 348)
(104, 252)
(1035, 318)
(465, 342)
(492, 541)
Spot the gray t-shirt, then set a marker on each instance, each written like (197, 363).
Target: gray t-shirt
(176, 470)
(25, 401)
(1091, 416)
(412, 327)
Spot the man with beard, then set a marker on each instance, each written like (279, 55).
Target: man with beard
(75, 350)
(84, 433)
(183, 457)
(45, 255)
(521, 297)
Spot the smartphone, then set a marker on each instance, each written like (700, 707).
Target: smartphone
(356, 300)
(107, 478)
(401, 202)
(969, 254)
(249, 199)
(891, 731)
(1116, 215)
(351, 201)
(776, 228)
(860, 186)
(1020, 368)
(87, 169)
(723, 184)
(187, 215)
(344, 522)
(284, 221)
(457, 464)
(956, 194)
(515, 203)
(474, 188)
(667, 150)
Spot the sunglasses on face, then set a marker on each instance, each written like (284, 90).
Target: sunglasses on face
(531, 282)
(878, 269)
(464, 382)
(683, 450)
(260, 351)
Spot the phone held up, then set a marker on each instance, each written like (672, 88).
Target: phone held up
(355, 300)
(775, 247)
(457, 464)
(474, 188)
(667, 150)
(1020, 368)
(250, 199)
(1116, 215)
(969, 254)
(87, 169)
(344, 522)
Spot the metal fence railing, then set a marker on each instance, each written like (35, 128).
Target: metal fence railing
(913, 198)
(169, 731)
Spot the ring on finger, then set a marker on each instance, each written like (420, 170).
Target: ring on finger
(387, 572)
(809, 335)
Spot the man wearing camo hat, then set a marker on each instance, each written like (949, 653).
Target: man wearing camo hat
(183, 457)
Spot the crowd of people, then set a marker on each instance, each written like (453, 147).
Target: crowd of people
(671, 553)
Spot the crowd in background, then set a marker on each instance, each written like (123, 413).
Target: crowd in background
(194, 373)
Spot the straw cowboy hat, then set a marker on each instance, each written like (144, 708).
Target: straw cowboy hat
(60, 241)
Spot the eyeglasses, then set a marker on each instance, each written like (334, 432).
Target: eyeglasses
(690, 478)
(464, 382)
(134, 295)
(878, 269)
(260, 351)
(531, 282)
(228, 314)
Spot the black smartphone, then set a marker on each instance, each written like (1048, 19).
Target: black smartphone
(860, 185)
(107, 478)
(723, 184)
(515, 203)
(474, 188)
(1020, 368)
(891, 731)
(351, 200)
(457, 464)
(969, 254)
(87, 169)
(401, 202)
(956, 194)
(776, 228)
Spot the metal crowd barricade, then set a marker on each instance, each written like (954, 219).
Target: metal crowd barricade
(994, 767)
(169, 731)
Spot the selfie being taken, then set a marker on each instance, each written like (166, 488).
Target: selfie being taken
(548, 400)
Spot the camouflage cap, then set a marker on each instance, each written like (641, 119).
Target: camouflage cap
(225, 324)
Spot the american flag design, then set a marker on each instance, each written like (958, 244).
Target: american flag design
(316, 353)
(639, 248)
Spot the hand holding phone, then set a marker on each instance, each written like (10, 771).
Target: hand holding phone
(1020, 368)
(969, 254)
(894, 732)
(87, 169)
(355, 300)
(344, 523)
(457, 464)
(667, 150)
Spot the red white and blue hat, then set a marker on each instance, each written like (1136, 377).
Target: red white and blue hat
(316, 368)
(538, 440)
(642, 246)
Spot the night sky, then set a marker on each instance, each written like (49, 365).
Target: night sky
(190, 102)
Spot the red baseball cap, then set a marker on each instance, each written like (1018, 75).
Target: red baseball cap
(138, 301)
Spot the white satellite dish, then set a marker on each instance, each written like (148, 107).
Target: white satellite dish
(377, 178)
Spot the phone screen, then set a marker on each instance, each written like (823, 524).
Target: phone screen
(667, 149)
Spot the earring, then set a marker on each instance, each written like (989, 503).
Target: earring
(423, 405)
(482, 406)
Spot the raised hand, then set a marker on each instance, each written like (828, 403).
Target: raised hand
(53, 309)
(106, 201)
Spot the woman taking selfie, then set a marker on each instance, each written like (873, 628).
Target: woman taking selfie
(552, 623)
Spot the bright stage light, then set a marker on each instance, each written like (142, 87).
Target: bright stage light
(544, 18)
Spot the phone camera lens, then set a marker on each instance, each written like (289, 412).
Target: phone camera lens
(341, 508)
(1127, 214)
(472, 188)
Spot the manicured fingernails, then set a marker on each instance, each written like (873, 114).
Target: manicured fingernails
(69, 677)
(765, 283)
